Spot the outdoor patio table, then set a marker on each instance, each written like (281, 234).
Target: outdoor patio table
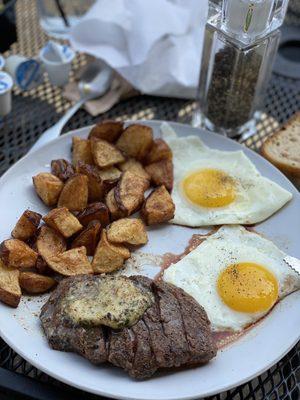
(35, 111)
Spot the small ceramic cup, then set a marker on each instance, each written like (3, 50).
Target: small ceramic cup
(57, 60)
(6, 84)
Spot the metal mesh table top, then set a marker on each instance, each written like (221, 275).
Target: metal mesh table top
(38, 109)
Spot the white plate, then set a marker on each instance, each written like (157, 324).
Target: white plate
(246, 358)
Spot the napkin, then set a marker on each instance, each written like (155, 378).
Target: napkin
(155, 45)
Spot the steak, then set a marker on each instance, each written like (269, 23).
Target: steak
(173, 332)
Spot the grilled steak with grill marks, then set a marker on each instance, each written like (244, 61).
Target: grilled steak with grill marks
(174, 331)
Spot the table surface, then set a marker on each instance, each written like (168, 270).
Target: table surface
(38, 109)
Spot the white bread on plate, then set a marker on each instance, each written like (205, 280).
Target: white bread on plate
(282, 149)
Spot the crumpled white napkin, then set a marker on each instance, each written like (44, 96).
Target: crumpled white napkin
(155, 45)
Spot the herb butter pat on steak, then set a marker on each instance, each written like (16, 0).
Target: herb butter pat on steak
(111, 301)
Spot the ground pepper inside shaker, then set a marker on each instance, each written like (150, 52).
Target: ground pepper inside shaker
(232, 88)
(240, 44)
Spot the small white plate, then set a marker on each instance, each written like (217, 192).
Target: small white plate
(255, 352)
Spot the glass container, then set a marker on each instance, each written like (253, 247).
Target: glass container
(57, 17)
(240, 44)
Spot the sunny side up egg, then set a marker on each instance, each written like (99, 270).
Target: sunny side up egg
(236, 275)
(213, 187)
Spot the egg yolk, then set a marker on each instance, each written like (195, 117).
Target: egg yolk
(209, 188)
(248, 287)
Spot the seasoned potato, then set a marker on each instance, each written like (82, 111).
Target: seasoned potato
(27, 225)
(136, 141)
(110, 177)
(49, 242)
(42, 267)
(105, 154)
(48, 187)
(107, 130)
(109, 257)
(135, 167)
(158, 207)
(129, 192)
(35, 283)
(161, 173)
(74, 195)
(62, 169)
(71, 262)
(96, 186)
(10, 291)
(159, 151)
(88, 238)
(17, 254)
(112, 205)
(81, 151)
(127, 231)
(94, 211)
(63, 221)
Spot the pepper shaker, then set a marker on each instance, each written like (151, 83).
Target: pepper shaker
(240, 44)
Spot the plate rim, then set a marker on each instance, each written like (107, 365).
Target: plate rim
(44, 368)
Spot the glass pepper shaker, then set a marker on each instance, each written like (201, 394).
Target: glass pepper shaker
(240, 44)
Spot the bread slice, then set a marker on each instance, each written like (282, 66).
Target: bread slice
(283, 149)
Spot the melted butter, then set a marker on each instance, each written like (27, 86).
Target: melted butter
(111, 301)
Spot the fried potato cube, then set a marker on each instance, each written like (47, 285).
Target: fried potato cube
(109, 257)
(88, 238)
(42, 267)
(62, 169)
(48, 187)
(158, 207)
(71, 262)
(96, 187)
(135, 167)
(136, 141)
(74, 195)
(10, 291)
(129, 192)
(161, 173)
(127, 231)
(110, 176)
(112, 205)
(107, 130)
(17, 254)
(27, 225)
(35, 283)
(94, 211)
(48, 243)
(105, 154)
(81, 151)
(63, 221)
(159, 151)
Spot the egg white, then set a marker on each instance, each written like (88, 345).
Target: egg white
(198, 272)
(257, 197)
